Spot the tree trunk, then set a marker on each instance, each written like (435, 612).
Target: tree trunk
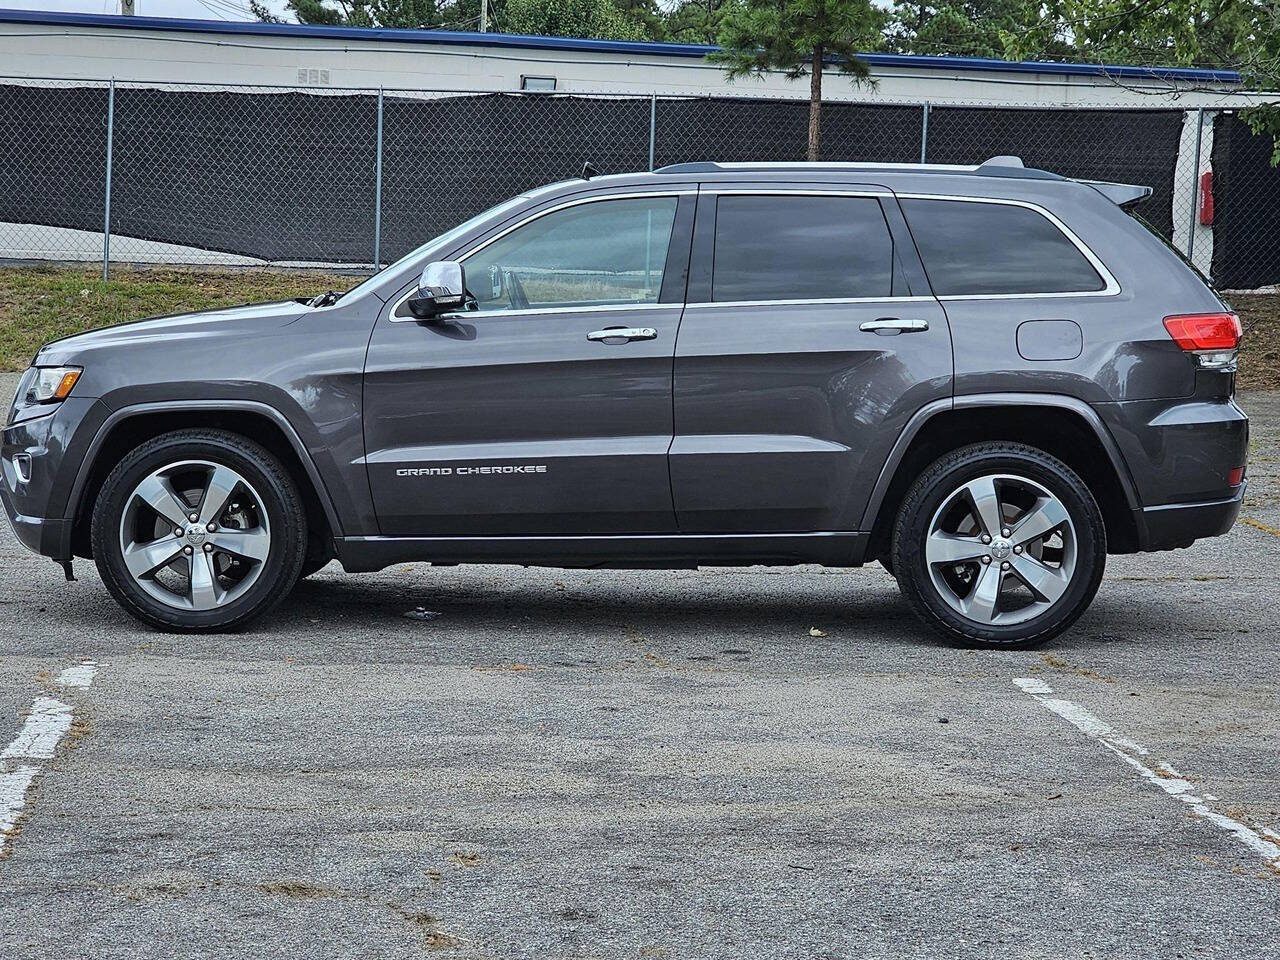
(815, 102)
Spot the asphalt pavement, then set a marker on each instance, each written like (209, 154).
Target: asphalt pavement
(760, 762)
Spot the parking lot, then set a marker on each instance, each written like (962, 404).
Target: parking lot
(723, 763)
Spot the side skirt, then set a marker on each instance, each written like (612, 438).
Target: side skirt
(661, 551)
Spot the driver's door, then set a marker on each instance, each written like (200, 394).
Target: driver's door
(521, 416)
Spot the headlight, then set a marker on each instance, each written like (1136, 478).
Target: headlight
(51, 383)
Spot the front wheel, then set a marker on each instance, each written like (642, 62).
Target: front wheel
(199, 530)
(999, 544)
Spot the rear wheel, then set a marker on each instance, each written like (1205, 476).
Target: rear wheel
(999, 544)
(199, 530)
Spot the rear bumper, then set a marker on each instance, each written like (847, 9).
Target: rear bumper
(1176, 525)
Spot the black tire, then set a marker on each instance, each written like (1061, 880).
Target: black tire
(939, 482)
(280, 501)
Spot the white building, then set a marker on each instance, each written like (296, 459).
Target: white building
(35, 46)
(158, 49)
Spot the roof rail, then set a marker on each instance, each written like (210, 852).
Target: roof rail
(1003, 166)
(1012, 167)
(713, 166)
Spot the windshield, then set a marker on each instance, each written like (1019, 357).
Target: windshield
(444, 238)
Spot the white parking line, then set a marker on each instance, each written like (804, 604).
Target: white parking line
(43, 729)
(79, 676)
(46, 724)
(13, 790)
(1161, 774)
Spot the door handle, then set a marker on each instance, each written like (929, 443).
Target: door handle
(892, 326)
(623, 333)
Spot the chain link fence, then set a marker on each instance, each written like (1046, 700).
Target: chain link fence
(300, 177)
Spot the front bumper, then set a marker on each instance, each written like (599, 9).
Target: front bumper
(38, 506)
(1181, 524)
(50, 537)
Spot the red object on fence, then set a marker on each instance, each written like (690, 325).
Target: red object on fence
(1206, 198)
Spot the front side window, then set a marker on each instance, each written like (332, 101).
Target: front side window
(603, 253)
(781, 247)
(974, 249)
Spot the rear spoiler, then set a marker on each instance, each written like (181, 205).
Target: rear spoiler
(1121, 194)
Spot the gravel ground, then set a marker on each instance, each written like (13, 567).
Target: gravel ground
(652, 764)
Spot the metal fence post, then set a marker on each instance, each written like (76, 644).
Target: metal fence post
(377, 194)
(924, 132)
(653, 126)
(1195, 185)
(106, 203)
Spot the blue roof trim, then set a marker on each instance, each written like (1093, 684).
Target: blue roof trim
(454, 38)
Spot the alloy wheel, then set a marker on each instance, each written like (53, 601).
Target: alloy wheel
(194, 535)
(1001, 549)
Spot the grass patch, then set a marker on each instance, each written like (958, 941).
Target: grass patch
(39, 304)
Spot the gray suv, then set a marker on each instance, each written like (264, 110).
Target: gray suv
(985, 378)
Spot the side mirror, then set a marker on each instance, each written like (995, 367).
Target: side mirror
(441, 288)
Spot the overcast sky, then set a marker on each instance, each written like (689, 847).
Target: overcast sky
(195, 9)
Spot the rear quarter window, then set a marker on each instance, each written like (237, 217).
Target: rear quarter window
(972, 248)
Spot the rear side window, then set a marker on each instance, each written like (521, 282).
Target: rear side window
(800, 248)
(984, 249)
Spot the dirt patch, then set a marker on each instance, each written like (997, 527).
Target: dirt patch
(427, 924)
(1259, 525)
(1260, 353)
(298, 889)
(1066, 666)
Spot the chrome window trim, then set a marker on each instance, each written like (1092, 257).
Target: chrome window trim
(1111, 288)
(702, 304)
(1111, 285)
(782, 191)
(536, 311)
(803, 301)
(674, 191)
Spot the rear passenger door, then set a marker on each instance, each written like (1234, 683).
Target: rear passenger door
(809, 340)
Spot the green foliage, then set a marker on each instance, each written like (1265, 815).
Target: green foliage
(1155, 32)
(694, 21)
(648, 15)
(967, 28)
(596, 19)
(408, 14)
(763, 35)
(1265, 119)
(1238, 34)
(799, 38)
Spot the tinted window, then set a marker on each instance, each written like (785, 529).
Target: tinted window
(800, 248)
(977, 249)
(593, 254)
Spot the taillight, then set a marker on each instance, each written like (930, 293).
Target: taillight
(1235, 476)
(1213, 337)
